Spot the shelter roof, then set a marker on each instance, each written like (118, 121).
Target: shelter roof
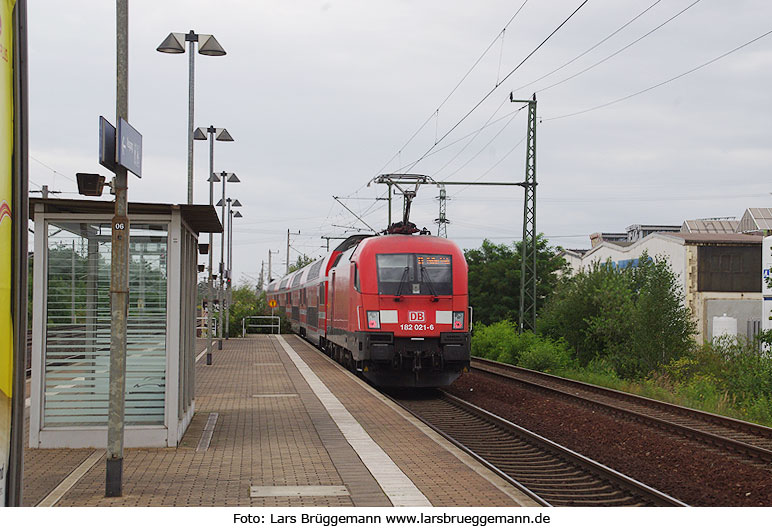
(201, 218)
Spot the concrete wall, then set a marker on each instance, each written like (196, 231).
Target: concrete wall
(743, 307)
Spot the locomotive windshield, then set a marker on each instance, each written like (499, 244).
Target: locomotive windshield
(406, 274)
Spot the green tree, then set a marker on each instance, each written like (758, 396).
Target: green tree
(662, 326)
(494, 278)
(303, 260)
(633, 317)
(246, 301)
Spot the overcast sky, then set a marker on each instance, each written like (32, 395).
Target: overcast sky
(321, 96)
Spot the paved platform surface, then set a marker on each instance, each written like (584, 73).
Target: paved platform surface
(279, 424)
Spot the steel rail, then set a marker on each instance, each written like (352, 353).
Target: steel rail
(560, 474)
(517, 373)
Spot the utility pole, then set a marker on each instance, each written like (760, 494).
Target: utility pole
(528, 253)
(270, 269)
(288, 248)
(328, 237)
(389, 224)
(44, 192)
(119, 272)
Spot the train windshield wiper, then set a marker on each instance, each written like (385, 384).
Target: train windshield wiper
(401, 284)
(429, 283)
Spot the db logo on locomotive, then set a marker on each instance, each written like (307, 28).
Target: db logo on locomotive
(416, 316)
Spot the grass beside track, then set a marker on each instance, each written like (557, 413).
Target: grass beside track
(731, 377)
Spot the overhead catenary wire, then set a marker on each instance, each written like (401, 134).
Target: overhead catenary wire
(52, 169)
(636, 41)
(453, 91)
(483, 175)
(484, 147)
(588, 50)
(690, 71)
(410, 166)
(474, 137)
(492, 90)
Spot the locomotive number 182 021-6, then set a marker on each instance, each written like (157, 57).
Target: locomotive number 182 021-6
(417, 326)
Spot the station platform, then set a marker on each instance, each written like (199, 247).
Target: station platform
(278, 424)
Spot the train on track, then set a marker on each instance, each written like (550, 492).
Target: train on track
(393, 308)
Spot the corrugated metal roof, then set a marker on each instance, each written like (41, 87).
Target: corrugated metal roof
(200, 217)
(710, 226)
(756, 219)
(717, 238)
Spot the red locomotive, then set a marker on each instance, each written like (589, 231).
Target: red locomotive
(393, 308)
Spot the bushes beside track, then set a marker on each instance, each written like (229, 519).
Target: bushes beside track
(730, 377)
(501, 342)
(627, 329)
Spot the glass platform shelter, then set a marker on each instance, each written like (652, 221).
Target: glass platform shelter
(71, 321)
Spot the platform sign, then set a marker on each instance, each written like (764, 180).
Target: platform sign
(106, 144)
(129, 148)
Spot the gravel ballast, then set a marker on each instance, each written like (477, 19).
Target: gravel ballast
(690, 471)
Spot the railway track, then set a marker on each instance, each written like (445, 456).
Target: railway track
(551, 474)
(743, 438)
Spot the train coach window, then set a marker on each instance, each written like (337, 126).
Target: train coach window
(407, 274)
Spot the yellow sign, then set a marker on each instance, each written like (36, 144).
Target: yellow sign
(6, 188)
(272, 303)
(6, 238)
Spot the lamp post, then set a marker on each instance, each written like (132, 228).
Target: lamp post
(229, 261)
(219, 135)
(207, 45)
(225, 177)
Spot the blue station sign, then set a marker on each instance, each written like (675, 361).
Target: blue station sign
(129, 148)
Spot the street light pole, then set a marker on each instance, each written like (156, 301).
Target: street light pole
(207, 45)
(209, 282)
(229, 262)
(230, 177)
(191, 38)
(228, 273)
(219, 135)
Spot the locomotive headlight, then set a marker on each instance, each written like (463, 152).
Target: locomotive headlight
(373, 319)
(458, 319)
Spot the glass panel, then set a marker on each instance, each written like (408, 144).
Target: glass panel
(436, 274)
(77, 345)
(394, 270)
(420, 274)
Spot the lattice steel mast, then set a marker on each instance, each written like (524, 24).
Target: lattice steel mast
(442, 221)
(528, 253)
